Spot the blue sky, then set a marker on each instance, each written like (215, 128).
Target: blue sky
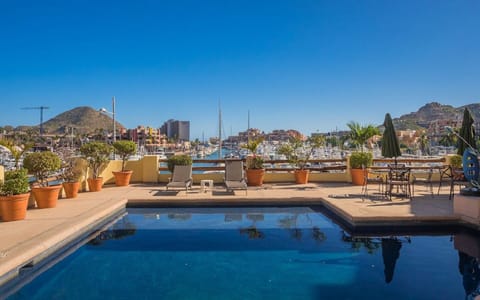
(305, 65)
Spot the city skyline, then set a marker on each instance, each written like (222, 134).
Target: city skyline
(312, 66)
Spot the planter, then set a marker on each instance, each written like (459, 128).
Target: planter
(95, 184)
(14, 207)
(122, 178)
(46, 197)
(467, 207)
(358, 176)
(255, 177)
(71, 189)
(301, 176)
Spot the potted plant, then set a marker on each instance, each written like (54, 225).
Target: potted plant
(298, 155)
(124, 149)
(360, 160)
(181, 160)
(97, 156)
(14, 194)
(456, 163)
(42, 165)
(255, 171)
(72, 172)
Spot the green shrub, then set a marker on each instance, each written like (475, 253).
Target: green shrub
(181, 160)
(456, 161)
(73, 169)
(42, 165)
(97, 156)
(16, 183)
(124, 149)
(255, 162)
(361, 159)
(298, 152)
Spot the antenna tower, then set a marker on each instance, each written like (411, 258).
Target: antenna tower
(41, 108)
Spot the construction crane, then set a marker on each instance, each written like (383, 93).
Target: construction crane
(41, 108)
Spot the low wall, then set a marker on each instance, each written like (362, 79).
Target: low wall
(146, 170)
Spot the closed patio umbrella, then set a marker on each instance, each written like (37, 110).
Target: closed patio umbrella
(390, 145)
(467, 132)
(390, 253)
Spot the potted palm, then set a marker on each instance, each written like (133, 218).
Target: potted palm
(255, 171)
(298, 155)
(360, 160)
(97, 156)
(124, 149)
(42, 165)
(14, 194)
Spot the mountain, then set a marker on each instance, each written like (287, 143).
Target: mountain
(84, 119)
(432, 112)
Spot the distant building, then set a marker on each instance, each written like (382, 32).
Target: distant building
(147, 137)
(174, 129)
(278, 135)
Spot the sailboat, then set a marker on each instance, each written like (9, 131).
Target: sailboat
(219, 132)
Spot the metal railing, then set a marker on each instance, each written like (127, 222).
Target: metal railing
(316, 165)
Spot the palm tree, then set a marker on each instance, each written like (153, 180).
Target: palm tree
(423, 143)
(449, 139)
(359, 134)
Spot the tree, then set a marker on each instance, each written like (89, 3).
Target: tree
(424, 144)
(332, 141)
(296, 151)
(449, 138)
(360, 134)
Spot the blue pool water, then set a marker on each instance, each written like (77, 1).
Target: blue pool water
(256, 253)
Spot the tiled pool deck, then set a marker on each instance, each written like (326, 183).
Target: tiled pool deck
(46, 230)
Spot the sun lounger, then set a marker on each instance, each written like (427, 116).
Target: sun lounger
(182, 177)
(234, 175)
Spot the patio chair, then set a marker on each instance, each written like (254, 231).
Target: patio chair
(425, 181)
(399, 177)
(234, 175)
(445, 175)
(457, 179)
(182, 177)
(370, 179)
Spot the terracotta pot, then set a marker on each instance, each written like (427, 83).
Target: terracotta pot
(122, 178)
(71, 189)
(301, 176)
(46, 197)
(358, 176)
(14, 207)
(255, 177)
(95, 184)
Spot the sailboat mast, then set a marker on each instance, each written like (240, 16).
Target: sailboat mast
(219, 132)
(248, 127)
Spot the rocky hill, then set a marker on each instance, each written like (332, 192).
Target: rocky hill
(87, 120)
(434, 111)
(84, 119)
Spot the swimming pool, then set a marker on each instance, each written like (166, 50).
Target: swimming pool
(256, 253)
